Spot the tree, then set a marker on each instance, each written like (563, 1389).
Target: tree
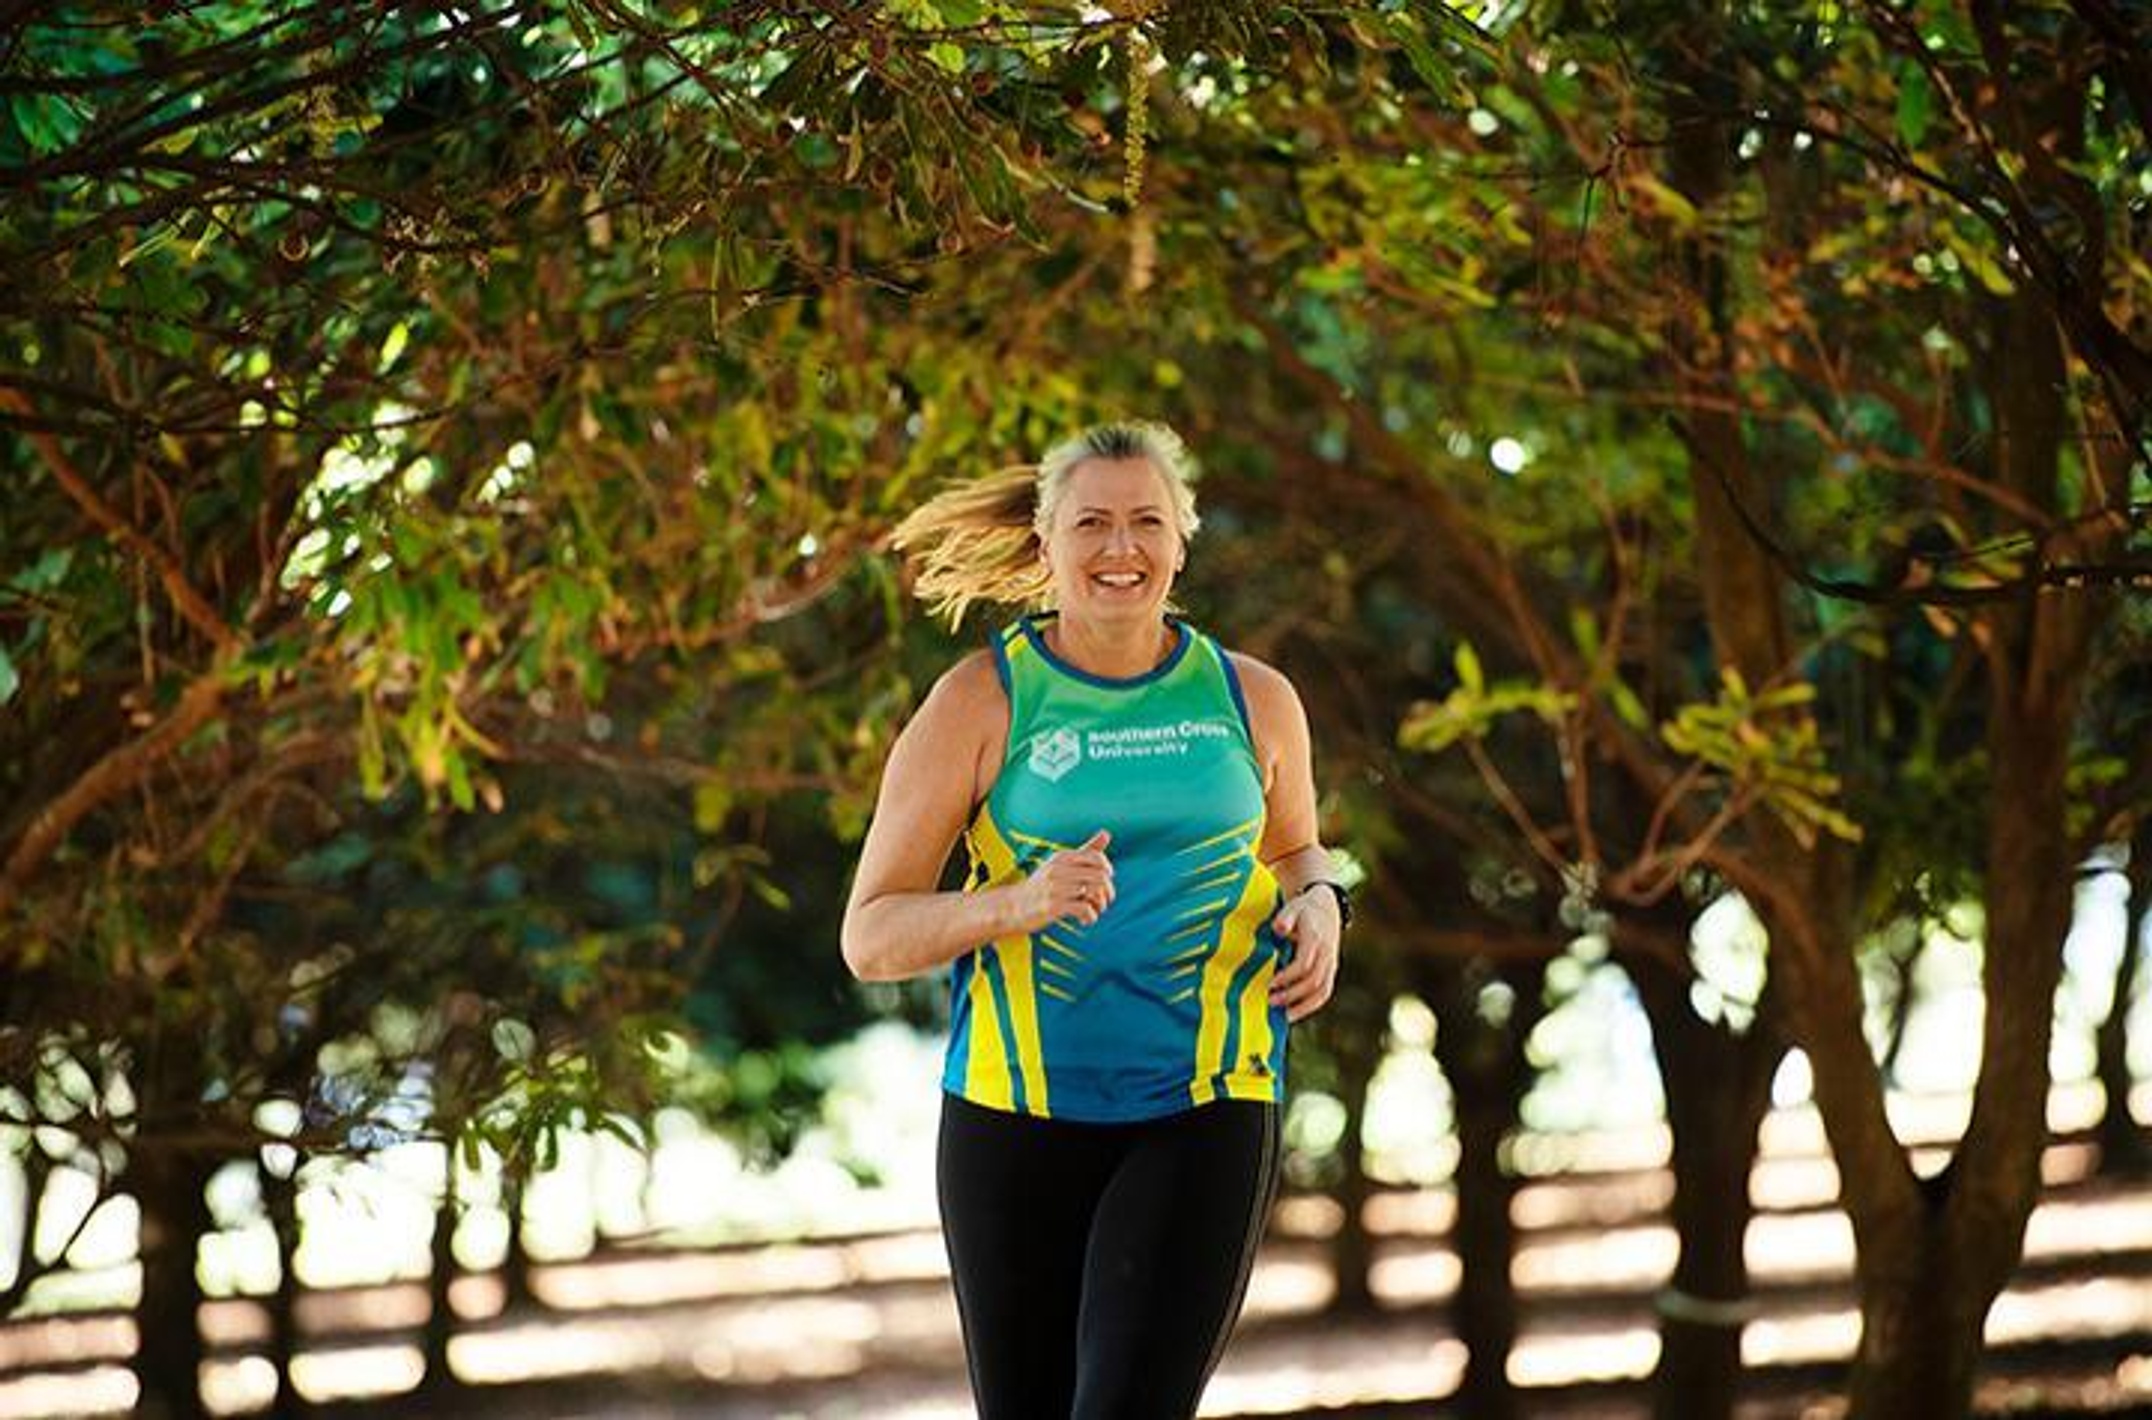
(1739, 268)
(407, 398)
(1933, 1253)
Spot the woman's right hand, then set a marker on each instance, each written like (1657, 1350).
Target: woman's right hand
(1075, 884)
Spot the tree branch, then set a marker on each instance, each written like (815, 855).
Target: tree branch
(119, 770)
(191, 604)
(2046, 573)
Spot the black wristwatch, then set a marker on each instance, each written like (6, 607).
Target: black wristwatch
(1338, 891)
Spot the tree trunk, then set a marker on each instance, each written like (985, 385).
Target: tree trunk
(1718, 1087)
(1927, 1311)
(170, 1184)
(440, 1315)
(280, 1199)
(2124, 1149)
(1486, 1245)
(1482, 1056)
(1926, 1291)
(515, 1262)
(1351, 1251)
(1921, 1323)
(1805, 894)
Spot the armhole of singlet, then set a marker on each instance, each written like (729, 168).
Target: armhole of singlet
(998, 643)
(998, 646)
(1240, 701)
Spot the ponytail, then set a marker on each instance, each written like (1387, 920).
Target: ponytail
(976, 542)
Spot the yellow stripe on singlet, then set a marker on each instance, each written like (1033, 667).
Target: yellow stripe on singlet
(986, 1063)
(1236, 941)
(1239, 830)
(1013, 641)
(1014, 955)
(1242, 1083)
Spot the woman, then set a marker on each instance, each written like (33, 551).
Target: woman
(1147, 907)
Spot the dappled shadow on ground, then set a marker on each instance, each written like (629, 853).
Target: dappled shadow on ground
(864, 1325)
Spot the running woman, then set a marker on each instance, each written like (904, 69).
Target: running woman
(1147, 908)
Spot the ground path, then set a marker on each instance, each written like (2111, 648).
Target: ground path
(863, 1326)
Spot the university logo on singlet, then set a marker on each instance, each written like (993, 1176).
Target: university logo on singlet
(1055, 752)
(1164, 1002)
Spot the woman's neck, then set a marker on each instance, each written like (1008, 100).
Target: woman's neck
(1112, 652)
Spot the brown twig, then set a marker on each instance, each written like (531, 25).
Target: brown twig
(190, 602)
(119, 770)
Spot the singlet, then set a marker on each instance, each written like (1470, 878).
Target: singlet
(1164, 1002)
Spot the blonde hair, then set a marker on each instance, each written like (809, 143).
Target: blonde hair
(979, 541)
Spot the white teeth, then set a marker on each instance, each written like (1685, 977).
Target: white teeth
(1120, 579)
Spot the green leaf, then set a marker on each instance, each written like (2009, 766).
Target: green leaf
(548, 1147)
(768, 890)
(459, 782)
(47, 572)
(1584, 630)
(48, 123)
(1468, 668)
(9, 680)
(713, 801)
(515, 1040)
(1981, 263)
(1434, 71)
(622, 1128)
(1677, 208)
(579, 23)
(373, 755)
(1915, 101)
(802, 83)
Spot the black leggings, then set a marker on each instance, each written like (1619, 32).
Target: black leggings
(1099, 1267)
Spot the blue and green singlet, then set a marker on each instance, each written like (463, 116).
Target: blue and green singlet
(1164, 1002)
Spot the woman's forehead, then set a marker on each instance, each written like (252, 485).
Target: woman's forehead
(1116, 483)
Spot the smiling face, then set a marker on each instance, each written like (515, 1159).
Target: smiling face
(1114, 544)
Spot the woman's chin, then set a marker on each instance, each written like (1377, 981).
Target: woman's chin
(1111, 610)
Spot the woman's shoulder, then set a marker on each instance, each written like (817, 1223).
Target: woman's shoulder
(1275, 715)
(1258, 678)
(969, 690)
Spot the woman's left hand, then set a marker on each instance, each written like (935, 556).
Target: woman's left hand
(1311, 922)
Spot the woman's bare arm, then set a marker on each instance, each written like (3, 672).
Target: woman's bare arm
(1292, 843)
(898, 923)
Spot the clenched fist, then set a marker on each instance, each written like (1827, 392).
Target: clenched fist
(1075, 884)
